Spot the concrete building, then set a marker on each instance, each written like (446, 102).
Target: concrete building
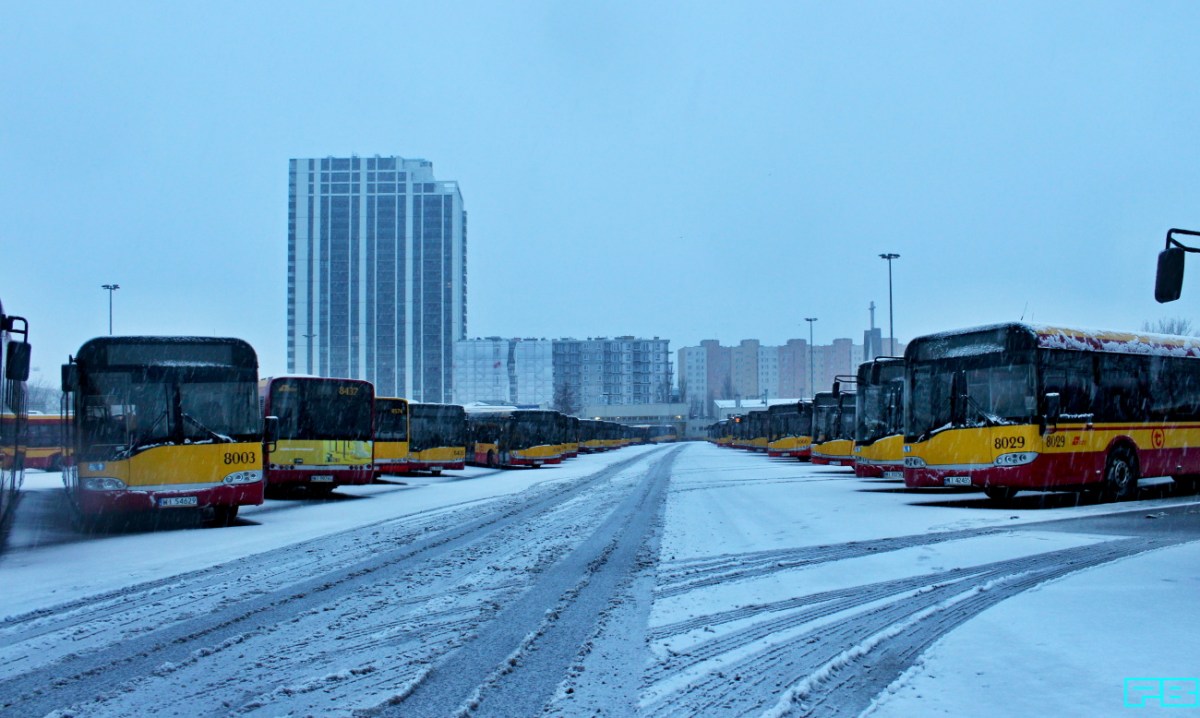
(377, 273)
(606, 372)
(504, 371)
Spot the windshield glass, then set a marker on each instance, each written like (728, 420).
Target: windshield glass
(123, 412)
(322, 410)
(879, 411)
(391, 421)
(1000, 390)
(532, 429)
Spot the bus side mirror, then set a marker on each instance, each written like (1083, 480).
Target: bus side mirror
(16, 361)
(271, 431)
(837, 388)
(1053, 406)
(1168, 284)
(70, 378)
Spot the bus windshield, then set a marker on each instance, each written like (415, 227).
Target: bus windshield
(123, 412)
(391, 421)
(326, 410)
(532, 429)
(882, 411)
(1000, 390)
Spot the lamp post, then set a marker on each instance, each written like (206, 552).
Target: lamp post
(889, 256)
(111, 288)
(812, 379)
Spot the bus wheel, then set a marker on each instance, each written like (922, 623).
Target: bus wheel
(1000, 494)
(223, 516)
(1120, 475)
(491, 460)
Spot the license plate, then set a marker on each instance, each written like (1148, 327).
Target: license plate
(958, 481)
(893, 474)
(179, 501)
(322, 478)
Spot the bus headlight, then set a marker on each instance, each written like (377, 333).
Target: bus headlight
(1019, 458)
(102, 483)
(914, 462)
(243, 477)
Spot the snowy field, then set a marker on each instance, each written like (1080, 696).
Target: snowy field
(675, 581)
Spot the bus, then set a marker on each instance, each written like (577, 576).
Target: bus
(879, 429)
(758, 429)
(661, 433)
(325, 432)
(161, 423)
(569, 430)
(790, 430)
(513, 437)
(1012, 407)
(833, 428)
(438, 438)
(391, 435)
(45, 447)
(15, 366)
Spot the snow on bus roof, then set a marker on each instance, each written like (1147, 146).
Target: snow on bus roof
(1077, 339)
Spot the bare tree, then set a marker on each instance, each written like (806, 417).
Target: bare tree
(565, 400)
(42, 395)
(1179, 326)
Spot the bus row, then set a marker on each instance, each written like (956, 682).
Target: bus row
(1003, 408)
(164, 422)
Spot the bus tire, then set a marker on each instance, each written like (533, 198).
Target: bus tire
(1120, 475)
(491, 459)
(223, 516)
(1000, 494)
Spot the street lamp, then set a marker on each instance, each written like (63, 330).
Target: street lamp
(891, 325)
(111, 288)
(812, 379)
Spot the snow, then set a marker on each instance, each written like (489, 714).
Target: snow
(771, 587)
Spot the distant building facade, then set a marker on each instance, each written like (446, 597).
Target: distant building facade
(712, 375)
(377, 273)
(504, 371)
(565, 374)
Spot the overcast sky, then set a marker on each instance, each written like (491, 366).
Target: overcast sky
(688, 171)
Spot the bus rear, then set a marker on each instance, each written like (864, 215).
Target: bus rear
(325, 432)
(160, 423)
(438, 438)
(391, 435)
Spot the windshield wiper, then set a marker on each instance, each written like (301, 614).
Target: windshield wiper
(220, 438)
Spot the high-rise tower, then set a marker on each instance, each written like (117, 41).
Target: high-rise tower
(377, 273)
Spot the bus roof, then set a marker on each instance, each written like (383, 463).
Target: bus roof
(1016, 336)
(177, 351)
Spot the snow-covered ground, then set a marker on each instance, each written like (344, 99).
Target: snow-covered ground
(685, 580)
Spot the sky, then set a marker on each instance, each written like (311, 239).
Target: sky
(682, 170)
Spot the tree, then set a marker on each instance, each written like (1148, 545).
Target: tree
(565, 400)
(43, 396)
(1180, 326)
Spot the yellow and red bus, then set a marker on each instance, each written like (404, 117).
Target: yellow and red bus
(1010, 407)
(14, 363)
(507, 437)
(391, 435)
(879, 411)
(437, 437)
(833, 428)
(325, 437)
(790, 430)
(45, 447)
(158, 423)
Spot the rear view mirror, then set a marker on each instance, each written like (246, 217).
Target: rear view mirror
(70, 378)
(1168, 284)
(270, 429)
(1053, 406)
(16, 361)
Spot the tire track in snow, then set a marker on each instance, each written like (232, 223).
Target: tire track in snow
(838, 666)
(80, 677)
(512, 666)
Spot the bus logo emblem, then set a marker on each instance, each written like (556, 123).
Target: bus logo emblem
(1157, 438)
